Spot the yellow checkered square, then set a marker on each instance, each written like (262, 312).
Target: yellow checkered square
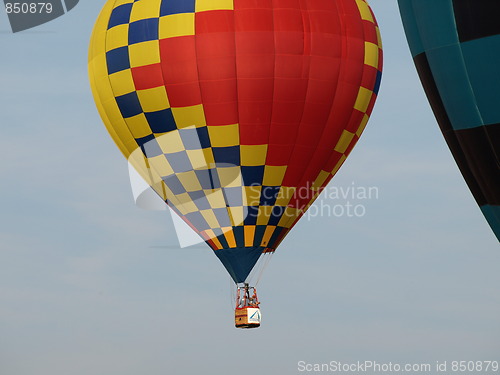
(379, 37)
(251, 195)
(211, 219)
(139, 126)
(264, 215)
(339, 164)
(273, 176)
(117, 37)
(122, 82)
(189, 181)
(364, 10)
(215, 198)
(230, 177)
(185, 204)
(344, 141)
(316, 194)
(175, 25)
(204, 5)
(145, 53)
(153, 100)
(172, 199)
(371, 54)
(145, 9)
(170, 142)
(197, 159)
(253, 155)
(224, 135)
(237, 215)
(209, 157)
(189, 116)
(363, 99)
(285, 195)
(362, 126)
(161, 166)
(289, 216)
(320, 180)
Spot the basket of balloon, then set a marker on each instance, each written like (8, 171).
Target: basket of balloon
(247, 312)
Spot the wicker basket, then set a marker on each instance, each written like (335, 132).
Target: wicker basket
(247, 317)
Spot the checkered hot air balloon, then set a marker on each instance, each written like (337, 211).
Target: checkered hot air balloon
(237, 112)
(456, 48)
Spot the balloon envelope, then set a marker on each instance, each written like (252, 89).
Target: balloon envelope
(456, 48)
(237, 112)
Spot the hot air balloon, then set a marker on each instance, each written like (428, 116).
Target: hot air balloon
(455, 45)
(236, 112)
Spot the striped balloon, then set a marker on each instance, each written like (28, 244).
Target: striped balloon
(456, 47)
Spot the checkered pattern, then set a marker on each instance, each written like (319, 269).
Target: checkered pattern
(234, 110)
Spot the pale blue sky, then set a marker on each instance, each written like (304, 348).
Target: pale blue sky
(90, 284)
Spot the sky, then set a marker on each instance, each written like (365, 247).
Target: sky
(91, 284)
